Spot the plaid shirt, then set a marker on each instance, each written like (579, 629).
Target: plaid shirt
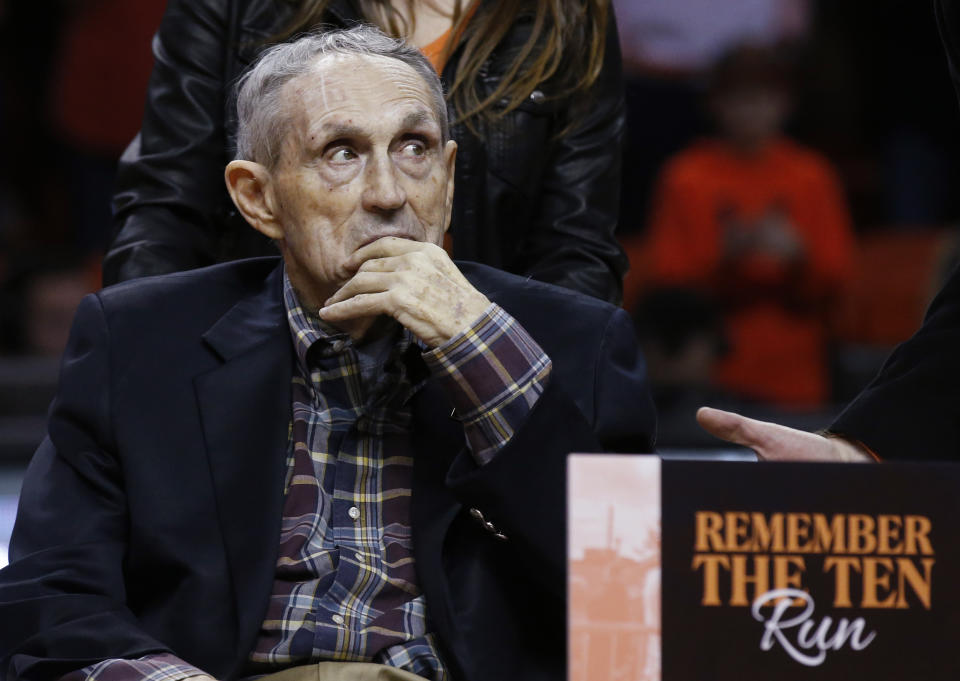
(345, 585)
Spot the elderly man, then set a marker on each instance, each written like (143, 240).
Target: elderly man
(348, 465)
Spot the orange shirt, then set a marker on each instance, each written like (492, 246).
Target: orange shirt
(775, 311)
(435, 50)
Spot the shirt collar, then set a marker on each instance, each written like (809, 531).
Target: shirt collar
(306, 328)
(311, 336)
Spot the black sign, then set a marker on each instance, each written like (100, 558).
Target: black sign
(810, 571)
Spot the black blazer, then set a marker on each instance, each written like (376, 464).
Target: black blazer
(528, 201)
(150, 517)
(911, 410)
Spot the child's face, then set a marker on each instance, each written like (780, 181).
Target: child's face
(751, 117)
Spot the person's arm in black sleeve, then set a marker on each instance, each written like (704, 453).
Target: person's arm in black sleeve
(62, 598)
(170, 198)
(911, 410)
(572, 244)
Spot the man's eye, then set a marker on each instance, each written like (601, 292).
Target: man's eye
(414, 149)
(342, 155)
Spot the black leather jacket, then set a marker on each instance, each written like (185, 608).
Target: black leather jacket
(526, 200)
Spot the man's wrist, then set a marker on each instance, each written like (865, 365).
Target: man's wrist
(493, 373)
(485, 364)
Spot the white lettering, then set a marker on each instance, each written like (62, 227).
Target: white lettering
(810, 635)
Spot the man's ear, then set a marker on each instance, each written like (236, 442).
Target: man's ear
(450, 160)
(251, 191)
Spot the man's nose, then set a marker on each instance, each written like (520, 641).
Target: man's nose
(384, 192)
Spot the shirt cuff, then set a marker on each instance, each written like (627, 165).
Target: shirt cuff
(494, 373)
(864, 449)
(159, 667)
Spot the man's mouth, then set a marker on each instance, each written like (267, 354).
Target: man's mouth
(384, 235)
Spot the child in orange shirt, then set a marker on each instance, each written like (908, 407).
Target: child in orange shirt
(760, 223)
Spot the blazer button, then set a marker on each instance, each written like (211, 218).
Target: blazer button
(499, 536)
(490, 527)
(537, 96)
(477, 514)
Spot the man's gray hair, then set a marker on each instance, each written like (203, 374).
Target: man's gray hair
(261, 113)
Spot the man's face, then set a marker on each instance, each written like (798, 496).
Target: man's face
(363, 158)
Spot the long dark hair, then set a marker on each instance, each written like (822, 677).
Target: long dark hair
(566, 46)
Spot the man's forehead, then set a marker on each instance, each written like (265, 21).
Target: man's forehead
(356, 83)
(339, 123)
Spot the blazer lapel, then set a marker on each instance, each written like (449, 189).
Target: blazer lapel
(245, 407)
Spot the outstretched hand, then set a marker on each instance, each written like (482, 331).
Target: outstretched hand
(773, 442)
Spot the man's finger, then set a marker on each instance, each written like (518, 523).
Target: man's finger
(730, 427)
(384, 303)
(389, 264)
(363, 282)
(384, 248)
(357, 306)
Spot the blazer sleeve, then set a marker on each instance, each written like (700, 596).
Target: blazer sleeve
(62, 596)
(170, 200)
(523, 489)
(911, 410)
(572, 242)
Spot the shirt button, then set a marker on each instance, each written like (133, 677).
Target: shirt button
(354, 512)
(337, 346)
(338, 619)
(359, 556)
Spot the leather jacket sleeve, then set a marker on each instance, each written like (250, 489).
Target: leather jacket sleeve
(170, 197)
(572, 243)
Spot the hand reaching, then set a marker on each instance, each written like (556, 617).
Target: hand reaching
(773, 442)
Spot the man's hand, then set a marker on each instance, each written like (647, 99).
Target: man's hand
(415, 283)
(773, 442)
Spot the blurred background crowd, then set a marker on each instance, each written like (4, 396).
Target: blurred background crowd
(786, 199)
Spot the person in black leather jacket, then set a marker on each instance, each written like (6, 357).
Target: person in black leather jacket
(529, 200)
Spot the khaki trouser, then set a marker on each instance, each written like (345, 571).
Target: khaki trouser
(342, 671)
